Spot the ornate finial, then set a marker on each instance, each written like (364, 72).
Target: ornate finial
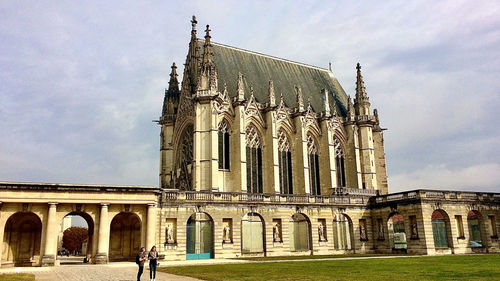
(300, 99)
(330, 66)
(174, 71)
(358, 67)
(207, 33)
(251, 91)
(350, 109)
(327, 103)
(225, 95)
(193, 23)
(239, 87)
(272, 97)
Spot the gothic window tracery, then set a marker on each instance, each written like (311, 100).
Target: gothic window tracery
(185, 161)
(285, 163)
(254, 160)
(223, 134)
(312, 152)
(339, 163)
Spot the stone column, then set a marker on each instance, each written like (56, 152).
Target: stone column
(103, 239)
(49, 254)
(151, 226)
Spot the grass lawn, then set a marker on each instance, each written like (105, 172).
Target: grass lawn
(317, 257)
(17, 277)
(459, 267)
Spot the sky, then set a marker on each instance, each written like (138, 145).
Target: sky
(81, 82)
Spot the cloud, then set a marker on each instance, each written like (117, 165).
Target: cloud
(486, 176)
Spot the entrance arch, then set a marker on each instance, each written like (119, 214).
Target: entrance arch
(124, 237)
(252, 234)
(343, 232)
(475, 234)
(440, 229)
(87, 247)
(300, 233)
(200, 237)
(397, 233)
(22, 238)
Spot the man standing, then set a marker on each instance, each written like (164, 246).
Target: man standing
(139, 260)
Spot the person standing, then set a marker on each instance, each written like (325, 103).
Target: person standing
(139, 260)
(153, 263)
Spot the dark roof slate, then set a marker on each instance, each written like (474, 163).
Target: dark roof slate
(258, 69)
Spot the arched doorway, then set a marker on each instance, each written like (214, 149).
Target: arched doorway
(397, 234)
(475, 234)
(72, 225)
(252, 234)
(21, 240)
(300, 233)
(440, 226)
(200, 237)
(343, 232)
(124, 237)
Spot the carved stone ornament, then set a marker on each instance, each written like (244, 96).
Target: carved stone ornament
(252, 110)
(333, 124)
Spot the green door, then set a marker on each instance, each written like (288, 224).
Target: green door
(199, 236)
(439, 233)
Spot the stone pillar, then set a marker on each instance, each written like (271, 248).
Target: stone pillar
(103, 239)
(151, 226)
(49, 253)
(357, 158)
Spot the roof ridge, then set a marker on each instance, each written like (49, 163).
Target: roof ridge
(272, 57)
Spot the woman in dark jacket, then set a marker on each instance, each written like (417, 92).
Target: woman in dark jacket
(153, 262)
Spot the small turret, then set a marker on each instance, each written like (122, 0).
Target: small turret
(361, 101)
(239, 87)
(272, 97)
(171, 100)
(326, 103)
(300, 99)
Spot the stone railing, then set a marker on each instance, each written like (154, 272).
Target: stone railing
(171, 196)
(422, 194)
(355, 191)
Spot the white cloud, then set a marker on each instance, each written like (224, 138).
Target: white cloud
(486, 176)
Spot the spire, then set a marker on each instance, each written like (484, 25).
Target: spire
(171, 100)
(207, 47)
(300, 99)
(360, 86)
(239, 87)
(327, 103)
(272, 97)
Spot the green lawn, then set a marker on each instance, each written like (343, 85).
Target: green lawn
(317, 257)
(17, 277)
(459, 267)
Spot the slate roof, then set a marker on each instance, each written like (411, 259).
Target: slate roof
(258, 69)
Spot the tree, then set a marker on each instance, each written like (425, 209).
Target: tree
(74, 237)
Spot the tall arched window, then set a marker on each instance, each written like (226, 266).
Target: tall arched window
(312, 152)
(223, 145)
(185, 160)
(254, 161)
(285, 163)
(339, 163)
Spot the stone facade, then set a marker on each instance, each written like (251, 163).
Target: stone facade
(259, 156)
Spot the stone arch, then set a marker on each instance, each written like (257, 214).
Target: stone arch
(476, 233)
(88, 248)
(396, 231)
(200, 236)
(253, 234)
(124, 236)
(441, 230)
(22, 239)
(300, 233)
(343, 232)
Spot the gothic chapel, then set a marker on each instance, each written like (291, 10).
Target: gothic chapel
(259, 156)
